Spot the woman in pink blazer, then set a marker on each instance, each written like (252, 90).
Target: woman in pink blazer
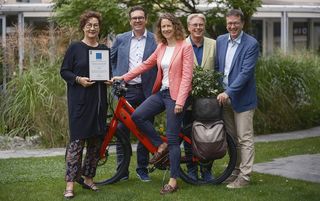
(174, 59)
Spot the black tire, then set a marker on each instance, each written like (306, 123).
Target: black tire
(108, 170)
(221, 170)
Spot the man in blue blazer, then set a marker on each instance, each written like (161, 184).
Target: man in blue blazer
(127, 52)
(237, 54)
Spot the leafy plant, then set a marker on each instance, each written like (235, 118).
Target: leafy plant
(206, 83)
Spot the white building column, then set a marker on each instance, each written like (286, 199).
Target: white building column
(4, 61)
(21, 41)
(52, 43)
(264, 37)
(284, 31)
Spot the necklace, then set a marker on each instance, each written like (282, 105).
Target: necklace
(90, 43)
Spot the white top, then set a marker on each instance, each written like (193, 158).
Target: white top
(137, 46)
(165, 63)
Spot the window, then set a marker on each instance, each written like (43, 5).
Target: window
(300, 35)
(276, 35)
(256, 31)
(316, 37)
(1, 27)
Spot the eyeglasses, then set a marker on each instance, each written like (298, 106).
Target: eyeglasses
(229, 24)
(89, 26)
(197, 25)
(140, 18)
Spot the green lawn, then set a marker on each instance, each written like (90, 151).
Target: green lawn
(43, 179)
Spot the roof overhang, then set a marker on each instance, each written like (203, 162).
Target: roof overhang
(293, 11)
(28, 9)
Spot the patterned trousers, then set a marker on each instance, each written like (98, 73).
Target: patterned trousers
(74, 166)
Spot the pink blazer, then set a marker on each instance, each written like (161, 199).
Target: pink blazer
(180, 70)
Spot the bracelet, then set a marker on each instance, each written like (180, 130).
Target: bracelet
(78, 79)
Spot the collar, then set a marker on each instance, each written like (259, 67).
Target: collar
(194, 45)
(237, 40)
(143, 36)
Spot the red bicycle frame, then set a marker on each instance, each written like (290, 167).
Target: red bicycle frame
(123, 113)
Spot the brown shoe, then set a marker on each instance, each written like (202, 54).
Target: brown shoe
(240, 182)
(168, 189)
(158, 156)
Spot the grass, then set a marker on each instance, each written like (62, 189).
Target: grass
(42, 179)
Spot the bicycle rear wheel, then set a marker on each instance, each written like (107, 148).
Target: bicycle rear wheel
(221, 168)
(109, 169)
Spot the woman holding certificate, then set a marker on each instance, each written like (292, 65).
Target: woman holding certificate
(87, 106)
(174, 59)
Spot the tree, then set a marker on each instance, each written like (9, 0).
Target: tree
(248, 7)
(114, 15)
(215, 23)
(116, 20)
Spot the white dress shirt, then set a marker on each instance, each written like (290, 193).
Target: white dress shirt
(232, 48)
(137, 46)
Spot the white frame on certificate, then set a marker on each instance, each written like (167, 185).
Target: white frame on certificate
(99, 65)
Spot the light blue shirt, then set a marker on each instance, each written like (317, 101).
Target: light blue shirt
(231, 50)
(136, 54)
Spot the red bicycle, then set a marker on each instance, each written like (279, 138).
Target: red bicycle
(110, 170)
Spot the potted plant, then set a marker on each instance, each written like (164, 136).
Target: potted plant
(206, 85)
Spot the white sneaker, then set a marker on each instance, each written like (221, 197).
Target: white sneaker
(240, 182)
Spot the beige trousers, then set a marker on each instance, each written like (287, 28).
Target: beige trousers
(240, 126)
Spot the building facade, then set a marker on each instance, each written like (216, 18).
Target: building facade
(288, 25)
(15, 15)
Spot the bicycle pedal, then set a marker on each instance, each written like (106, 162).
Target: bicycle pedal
(151, 169)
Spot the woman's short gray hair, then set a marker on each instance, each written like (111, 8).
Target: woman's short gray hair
(193, 15)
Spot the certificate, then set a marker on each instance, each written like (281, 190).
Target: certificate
(99, 66)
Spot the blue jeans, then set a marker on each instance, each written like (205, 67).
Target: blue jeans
(135, 97)
(154, 105)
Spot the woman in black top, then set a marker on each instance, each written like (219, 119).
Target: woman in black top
(87, 106)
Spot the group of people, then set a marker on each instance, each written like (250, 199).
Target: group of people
(157, 69)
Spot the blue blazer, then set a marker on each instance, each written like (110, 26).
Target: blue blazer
(241, 80)
(120, 59)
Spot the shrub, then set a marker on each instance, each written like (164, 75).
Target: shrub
(288, 92)
(35, 104)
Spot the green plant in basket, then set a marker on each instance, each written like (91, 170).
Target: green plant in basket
(206, 83)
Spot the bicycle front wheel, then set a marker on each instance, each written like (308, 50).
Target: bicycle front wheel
(221, 169)
(118, 153)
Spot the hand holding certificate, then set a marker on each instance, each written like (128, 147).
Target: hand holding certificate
(99, 65)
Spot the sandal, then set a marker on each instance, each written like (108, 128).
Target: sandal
(167, 189)
(68, 194)
(158, 156)
(92, 187)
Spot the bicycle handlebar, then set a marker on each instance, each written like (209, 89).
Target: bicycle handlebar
(119, 88)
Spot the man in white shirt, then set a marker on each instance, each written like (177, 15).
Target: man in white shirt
(129, 50)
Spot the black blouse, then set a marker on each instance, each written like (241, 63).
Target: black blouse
(87, 106)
